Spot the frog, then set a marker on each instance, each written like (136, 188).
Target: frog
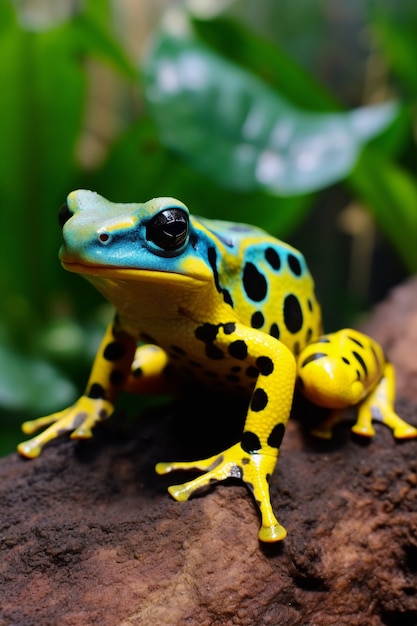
(348, 368)
(207, 301)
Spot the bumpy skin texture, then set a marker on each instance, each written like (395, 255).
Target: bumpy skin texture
(221, 303)
(348, 368)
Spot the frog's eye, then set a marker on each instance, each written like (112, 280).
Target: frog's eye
(168, 229)
(64, 214)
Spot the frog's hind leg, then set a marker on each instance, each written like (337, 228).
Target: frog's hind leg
(379, 406)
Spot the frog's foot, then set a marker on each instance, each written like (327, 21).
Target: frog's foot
(400, 428)
(79, 418)
(383, 413)
(253, 469)
(324, 430)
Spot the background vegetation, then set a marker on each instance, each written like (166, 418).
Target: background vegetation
(299, 117)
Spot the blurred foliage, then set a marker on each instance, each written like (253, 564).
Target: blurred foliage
(226, 117)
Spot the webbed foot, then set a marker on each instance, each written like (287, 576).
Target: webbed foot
(80, 418)
(253, 469)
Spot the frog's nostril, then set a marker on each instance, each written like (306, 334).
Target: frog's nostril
(64, 214)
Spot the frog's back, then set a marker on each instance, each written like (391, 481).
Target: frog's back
(266, 281)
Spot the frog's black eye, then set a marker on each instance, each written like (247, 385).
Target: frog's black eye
(168, 229)
(64, 214)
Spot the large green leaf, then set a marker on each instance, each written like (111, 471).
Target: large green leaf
(41, 118)
(41, 113)
(391, 194)
(143, 168)
(256, 54)
(243, 134)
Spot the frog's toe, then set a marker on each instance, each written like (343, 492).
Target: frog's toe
(253, 469)
(30, 449)
(271, 534)
(363, 430)
(405, 431)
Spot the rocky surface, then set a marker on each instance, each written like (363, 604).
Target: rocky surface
(90, 536)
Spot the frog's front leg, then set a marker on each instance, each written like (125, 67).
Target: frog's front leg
(254, 458)
(110, 371)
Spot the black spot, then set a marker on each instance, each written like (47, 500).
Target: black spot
(293, 315)
(313, 357)
(310, 305)
(345, 360)
(117, 378)
(273, 259)
(295, 265)
(207, 332)
(229, 328)
(137, 372)
(238, 349)
(274, 331)
(257, 320)
(254, 283)
(147, 338)
(276, 436)
(96, 391)
(178, 350)
(227, 297)
(114, 351)
(358, 343)
(194, 363)
(250, 442)
(252, 372)
(212, 258)
(235, 368)
(259, 400)
(309, 335)
(361, 361)
(265, 365)
(296, 348)
(232, 378)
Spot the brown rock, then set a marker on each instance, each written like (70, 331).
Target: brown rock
(90, 536)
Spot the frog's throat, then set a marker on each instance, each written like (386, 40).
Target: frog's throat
(134, 274)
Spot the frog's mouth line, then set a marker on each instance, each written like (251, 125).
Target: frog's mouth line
(134, 274)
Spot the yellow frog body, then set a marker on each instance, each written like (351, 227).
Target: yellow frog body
(220, 303)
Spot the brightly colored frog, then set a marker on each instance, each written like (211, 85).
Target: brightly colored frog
(220, 303)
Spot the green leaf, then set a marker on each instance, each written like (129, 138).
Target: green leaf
(41, 113)
(97, 40)
(391, 195)
(399, 46)
(256, 54)
(31, 384)
(138, 150)
(241, 133)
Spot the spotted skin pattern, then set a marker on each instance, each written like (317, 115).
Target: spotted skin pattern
(348, 368)
(217, 302)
